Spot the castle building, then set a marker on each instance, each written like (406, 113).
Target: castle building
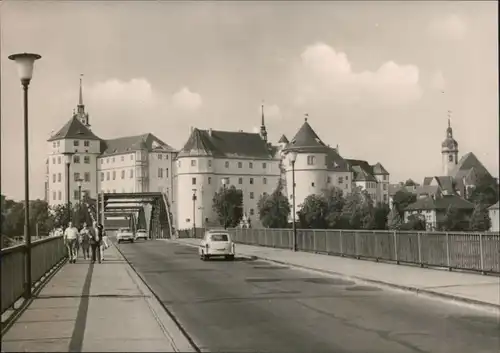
(129, 164)
(319, 167)
(247, 160)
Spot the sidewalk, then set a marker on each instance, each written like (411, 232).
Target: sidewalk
(462, 287)
(95, 308)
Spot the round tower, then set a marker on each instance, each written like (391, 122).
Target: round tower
(310, 164)
(449, 151)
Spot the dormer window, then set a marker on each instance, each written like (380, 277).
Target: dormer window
(76, 143)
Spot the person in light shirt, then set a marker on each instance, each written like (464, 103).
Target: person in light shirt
(70, 239)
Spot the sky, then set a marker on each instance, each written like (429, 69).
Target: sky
(376, 78)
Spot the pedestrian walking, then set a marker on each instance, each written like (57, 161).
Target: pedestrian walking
(70, 240)
(95, 242)
(104, 243)
(85, 241)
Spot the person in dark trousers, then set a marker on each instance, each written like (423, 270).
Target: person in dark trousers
(95, 241)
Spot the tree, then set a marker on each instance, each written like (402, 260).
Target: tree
(453, 220)
(274, 209)
(313, 211)
(358, 210)
(60, 215)
(40, 217)
(480, 220)
(13, 223)
(335, 202)
(485, 191)
(394, 220)
(415, 222)
(380, 215)
(228, 204)
(403, 199)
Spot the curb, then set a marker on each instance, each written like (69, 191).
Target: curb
(423, 292)
(189, 345)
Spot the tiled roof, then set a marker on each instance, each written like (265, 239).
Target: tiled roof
(335, 162)
(446, 183)
(74, 129)
(283, 139)
(379, 169)
(495, 206)
(362, 170)
(467, 162)
(306, 139)
(226, 144)
(133, 143)
(427, 180)
(441, 203)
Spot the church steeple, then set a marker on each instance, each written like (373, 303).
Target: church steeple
(263, 132)
(449, 149)
(80, 108)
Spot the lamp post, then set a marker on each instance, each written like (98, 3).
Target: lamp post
(224, 182)
(25, 63)
(293, 158)
(80, 181)
(68, 156)
(194, 213)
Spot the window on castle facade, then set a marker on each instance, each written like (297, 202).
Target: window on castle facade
(54, 194)
(193, 162)
(209, 180)
(209, 162)
(59, 177)
(58, 160)
(76, 194)
(193, 181)
(76, 176)
(450, 158)
(341, 180)
(86, 176)
(86, 143)
(123, 174)
(113, 160)
(240, 181)
(76, 159)
(123, 158)
(251, 195)
(53, 160)
(160, 173)
(240, 164)
(312, 184)
(86, 159)
(166, 172)
(264, 165)
(107, 175)
(226, 164)
(160, 156)
(252, 212)
(385, 186)
(53, 178)
(311, 160)
(102, 176)
(76, 143)
(251, 181)
(328, 180)
(59, 195)
(131, 173)
(250, 165)
(264, 181)
(114, 175)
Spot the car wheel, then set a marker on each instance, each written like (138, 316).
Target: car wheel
(230, 257)
(119, 241)
(132, 241)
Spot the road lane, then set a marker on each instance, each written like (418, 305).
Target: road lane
(253, 306)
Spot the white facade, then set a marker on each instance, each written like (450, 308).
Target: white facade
(82, 166)
(202, 175)
(313, 177)
(495, 218)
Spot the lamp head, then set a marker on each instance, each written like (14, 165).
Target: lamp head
(224, 181)
(67, 157)
(25, 63)
(293, 156)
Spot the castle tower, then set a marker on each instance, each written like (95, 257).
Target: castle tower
(449, 150)
(80, 113)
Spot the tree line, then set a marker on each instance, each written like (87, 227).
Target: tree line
(332, 209)
(42, 218)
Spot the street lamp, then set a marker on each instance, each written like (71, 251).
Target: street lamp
(80, 181)
(25, 63)
(68, 156)
(293, 158)
(194, 213)
(224, 182)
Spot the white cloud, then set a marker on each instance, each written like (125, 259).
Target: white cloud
(327, 75)
(450, 27)
(186, 100)
(437, 81)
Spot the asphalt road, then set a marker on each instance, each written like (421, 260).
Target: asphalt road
(254, 306)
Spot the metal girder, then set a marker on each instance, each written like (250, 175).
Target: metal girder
(129, 201)
(137, 195)
(126, 207)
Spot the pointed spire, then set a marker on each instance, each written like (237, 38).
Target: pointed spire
(80, 100)
(263, 132)
(306, 115)
(262, 123)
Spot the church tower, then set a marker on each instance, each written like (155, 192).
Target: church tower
(80, 112)
(449, 150)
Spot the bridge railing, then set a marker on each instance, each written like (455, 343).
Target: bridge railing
(453, 250)
(45, 254)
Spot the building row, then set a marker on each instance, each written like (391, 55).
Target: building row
(247, 161)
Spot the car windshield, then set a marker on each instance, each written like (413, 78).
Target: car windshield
(219, 237)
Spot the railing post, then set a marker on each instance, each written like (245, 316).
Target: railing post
(327, 233)
(265, 237)
(341, 239)
(481, 251)
(395, 247)
(314, 249)
(448, 251)
(419, 243)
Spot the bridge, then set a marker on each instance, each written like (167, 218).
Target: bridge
(158, 296)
